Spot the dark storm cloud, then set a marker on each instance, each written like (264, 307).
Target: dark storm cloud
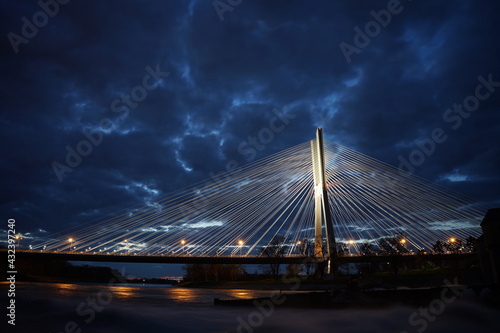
(224, 81)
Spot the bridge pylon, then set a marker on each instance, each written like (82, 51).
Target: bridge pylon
(323, 215)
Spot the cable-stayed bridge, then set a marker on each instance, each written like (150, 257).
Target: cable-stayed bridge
(317, 200)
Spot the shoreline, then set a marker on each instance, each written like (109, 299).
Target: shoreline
(368, 299)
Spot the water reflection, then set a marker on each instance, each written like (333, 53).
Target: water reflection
(240, 293)
(123, 292)
(70, 290)
(66, 289)
(183, 294)
(148, 294)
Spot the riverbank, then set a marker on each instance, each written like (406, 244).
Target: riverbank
(411, 279)
(369, 299)
(269, 284)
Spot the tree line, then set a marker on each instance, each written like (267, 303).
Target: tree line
(279, 246)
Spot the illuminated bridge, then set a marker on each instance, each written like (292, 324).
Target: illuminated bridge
(315, 201)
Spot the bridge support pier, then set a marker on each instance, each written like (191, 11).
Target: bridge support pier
(323, 214)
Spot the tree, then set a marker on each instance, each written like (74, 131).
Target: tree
(438, 247)
(196, 272)
(367, 249)
(306, 248)
(471, 244)
(393, 245)
(292, 270)
(213, 272)
(275, 248)
(342, 249)
(454, 245)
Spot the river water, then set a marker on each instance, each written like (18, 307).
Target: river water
(54, 307)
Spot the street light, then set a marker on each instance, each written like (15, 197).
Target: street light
(70, 240)
(183, 242)
(18, 240)
(299, 247)
(403, 241)
(350, 242)
(241, 246)
(453, 240)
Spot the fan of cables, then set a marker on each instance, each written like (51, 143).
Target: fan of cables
(271, 201)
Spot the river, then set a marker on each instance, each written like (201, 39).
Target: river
(75, 308)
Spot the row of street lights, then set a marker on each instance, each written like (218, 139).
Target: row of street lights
(403, 241)
(240, 242)
(183, 243)
(71, 240)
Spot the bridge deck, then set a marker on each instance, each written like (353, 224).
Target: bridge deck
(187, 259)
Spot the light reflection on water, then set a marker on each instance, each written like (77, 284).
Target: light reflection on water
(65, 289)
(183, 295)
(243, 293)
(123, 292)
(132, 293)
(196, 295)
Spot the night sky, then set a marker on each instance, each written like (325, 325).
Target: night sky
(106, 105)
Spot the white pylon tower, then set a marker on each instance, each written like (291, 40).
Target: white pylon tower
(323, 215)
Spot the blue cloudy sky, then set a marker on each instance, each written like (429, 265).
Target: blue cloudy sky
(106, 105)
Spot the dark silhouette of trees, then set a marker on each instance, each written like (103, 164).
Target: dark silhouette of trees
(470, 244)
(342, 249)
(306, 248)
(367, 249)
(292, 270)
(438, 247)
(454, 245)
(60, 270)
(393, 245)
(214, 272)
(275, 248)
